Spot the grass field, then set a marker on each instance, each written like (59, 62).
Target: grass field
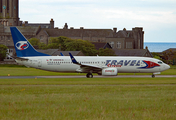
(85, 99)
(89, 99)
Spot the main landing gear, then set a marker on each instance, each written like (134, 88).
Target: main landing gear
(153, 76)
(89, 75)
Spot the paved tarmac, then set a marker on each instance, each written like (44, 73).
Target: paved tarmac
(119, 76)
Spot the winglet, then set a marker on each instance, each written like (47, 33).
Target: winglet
(73, 59)
(61, 54)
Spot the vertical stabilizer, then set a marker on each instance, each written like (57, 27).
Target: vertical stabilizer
(22, 46)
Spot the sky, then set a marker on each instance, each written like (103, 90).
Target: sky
(157, 17)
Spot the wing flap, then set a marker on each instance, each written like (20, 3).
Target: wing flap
(90, 66)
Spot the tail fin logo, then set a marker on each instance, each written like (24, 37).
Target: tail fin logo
(22, 45)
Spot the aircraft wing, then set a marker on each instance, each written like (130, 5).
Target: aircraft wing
(85, 67)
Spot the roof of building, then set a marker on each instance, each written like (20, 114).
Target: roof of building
(170, 49)
(131, 52)
(99, 45)
(80, 32)
(124, 33)
(28, 29)
(89, 33)
(42, 25)
(48, 51)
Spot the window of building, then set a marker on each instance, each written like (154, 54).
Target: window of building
(7, 6)
(8, 37)
(119, 45)
(8, 50)
(139, 43)
(0, 5)
(128, 35)
(11, 50)
(41, 37)
(112, 44)
(129, 45)
(1, 37)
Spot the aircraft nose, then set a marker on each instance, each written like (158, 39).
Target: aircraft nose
(167, 66)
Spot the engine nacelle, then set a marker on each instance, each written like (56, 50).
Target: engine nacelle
(109, 71)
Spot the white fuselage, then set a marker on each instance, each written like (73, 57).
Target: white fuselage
(123, 64)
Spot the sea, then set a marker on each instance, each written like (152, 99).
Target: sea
(158, 47)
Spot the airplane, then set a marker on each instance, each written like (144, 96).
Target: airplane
(102, 65)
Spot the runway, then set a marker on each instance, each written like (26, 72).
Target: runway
(96, 76)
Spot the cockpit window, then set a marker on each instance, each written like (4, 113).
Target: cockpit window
(160, 62)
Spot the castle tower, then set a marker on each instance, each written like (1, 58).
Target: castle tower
(9, 12)
(138, 34)
(52, 24)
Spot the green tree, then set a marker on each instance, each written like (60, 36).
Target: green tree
(174, 59)
(3, 52)
(156, 55)
(68, 44)
(106, 52)
(169, 57)
(89, 51)
(34, 41)
(42, 46)
(53, 46)
(81, 45)
(58, 43)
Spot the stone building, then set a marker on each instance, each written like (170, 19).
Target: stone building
(9, 12)
(9, 16)
(122, 39)
(41, 25)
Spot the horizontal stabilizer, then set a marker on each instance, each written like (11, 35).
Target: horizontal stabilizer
(20, 58)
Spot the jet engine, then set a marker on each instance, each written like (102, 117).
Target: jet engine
(109, 71)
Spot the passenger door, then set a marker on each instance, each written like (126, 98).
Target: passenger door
(39, 63)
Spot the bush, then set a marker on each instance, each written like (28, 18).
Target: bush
(3, 52)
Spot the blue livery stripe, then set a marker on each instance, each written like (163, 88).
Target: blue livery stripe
(22, 46)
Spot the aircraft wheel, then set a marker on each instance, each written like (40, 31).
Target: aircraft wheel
(89, 75)
(153, 76)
